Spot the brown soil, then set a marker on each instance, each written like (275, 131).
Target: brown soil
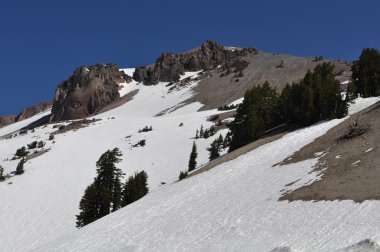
(75, 125)
(215, 91)
(350, 165)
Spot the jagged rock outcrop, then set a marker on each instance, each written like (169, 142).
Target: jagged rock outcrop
(170, 66)
(88, 90)
(6, 120)
(33, 110)
(25, 113)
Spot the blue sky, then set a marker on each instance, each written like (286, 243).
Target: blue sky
(42, 42)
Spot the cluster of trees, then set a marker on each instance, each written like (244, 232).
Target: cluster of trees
(316, 97)
(258, 112)
(22, 152)
(366, 74)
(205, 133)
(227, 107)
(218, 145)
(36, 144)
(107, 193)
(146, 129)
(139, 143)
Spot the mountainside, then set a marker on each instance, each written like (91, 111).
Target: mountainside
(235, 206)
(268, 195)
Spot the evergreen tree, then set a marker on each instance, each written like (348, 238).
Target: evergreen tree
(366, 74)
(193, 157)
(316, 97)
(213, 151)
(117, 195)
(197, 134)
(90, 205)
(219, 142)
(182, 175)
(104, 193)
(135, 188)
(201, 132)
(2, 178)
(258, 113)
(20, 167)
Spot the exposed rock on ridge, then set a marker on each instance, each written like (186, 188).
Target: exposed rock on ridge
(170, 66)
(88, 90)
(25, 113)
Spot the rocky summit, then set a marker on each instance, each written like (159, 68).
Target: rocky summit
(170, 66)
(86, 91)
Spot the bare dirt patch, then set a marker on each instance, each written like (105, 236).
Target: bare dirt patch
(350, 163)
(75, 125)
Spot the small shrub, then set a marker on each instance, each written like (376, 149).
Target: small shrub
(146, 129)
(182, 175)
(22, 152)
(41, 144)
(20, 167)
(32, 146)
(51, 137)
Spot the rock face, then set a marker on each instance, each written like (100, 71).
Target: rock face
(170, 66)
(6, 120)
(86, 91)
(34, 110)
(25, 113)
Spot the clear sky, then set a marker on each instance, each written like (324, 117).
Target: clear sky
(42, 42)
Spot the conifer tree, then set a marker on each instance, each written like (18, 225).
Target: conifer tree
(213, 151)
(197, 134)
(20, 167)
(201, 132)
(91, 205)
(2, 178)
(104, 194)
(117, 195)
(366, 74)
(135, 188)
(193, 157)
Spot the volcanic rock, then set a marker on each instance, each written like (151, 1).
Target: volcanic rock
(88, 90)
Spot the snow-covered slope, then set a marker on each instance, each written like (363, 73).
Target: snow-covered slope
(235, 207)
(41, 204)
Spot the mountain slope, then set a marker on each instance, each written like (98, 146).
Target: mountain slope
(235, 207)
(42, 203)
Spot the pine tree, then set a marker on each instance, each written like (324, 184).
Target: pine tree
(366, 74)
(117, 195)
(105, 192)
(219, 142)
(135, 188)
(258, 113)
(2, 178)
(213, 151)
(20, 167)
(197, 134)
(90, 206)
(201, 132)
(193, 157)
